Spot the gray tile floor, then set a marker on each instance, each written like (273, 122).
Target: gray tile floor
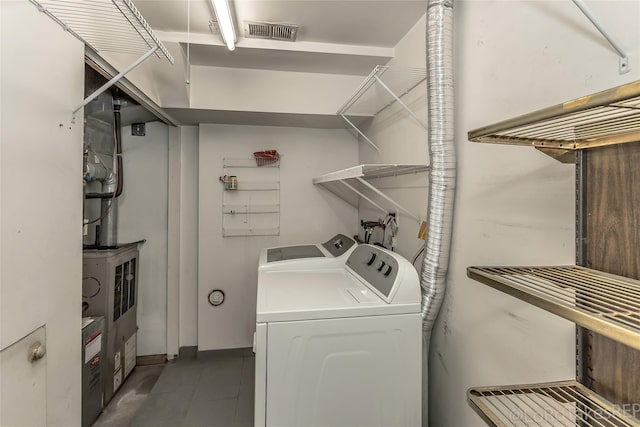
(214, 389)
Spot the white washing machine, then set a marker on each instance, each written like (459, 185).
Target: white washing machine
(340, 346)
(330, 254)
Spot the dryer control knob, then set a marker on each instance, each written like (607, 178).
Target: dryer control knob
(388, 272)
(372, 259)
(381, 266)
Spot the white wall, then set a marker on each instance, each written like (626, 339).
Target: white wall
(189, 237)
(218, 88)
(182, 303)
(514, 205)
(42, 73)
(403, 140)
(143, 215)
(308, 214)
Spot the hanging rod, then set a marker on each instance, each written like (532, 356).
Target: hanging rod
(624, 55)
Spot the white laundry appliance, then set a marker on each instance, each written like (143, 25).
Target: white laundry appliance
(332, 253)
(340, 346)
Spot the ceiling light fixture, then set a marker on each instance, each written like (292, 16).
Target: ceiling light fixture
(223, 13)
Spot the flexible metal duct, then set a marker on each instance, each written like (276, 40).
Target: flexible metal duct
(442, 177)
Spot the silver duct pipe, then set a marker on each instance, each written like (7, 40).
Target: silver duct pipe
(442, 177)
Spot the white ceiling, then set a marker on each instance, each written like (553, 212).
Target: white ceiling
(334, 36)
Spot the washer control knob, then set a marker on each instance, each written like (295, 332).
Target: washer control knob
(371, 259)
(381, 266)
(388, 272)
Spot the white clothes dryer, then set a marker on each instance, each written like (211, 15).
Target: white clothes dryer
(340, 347)
(330, 254)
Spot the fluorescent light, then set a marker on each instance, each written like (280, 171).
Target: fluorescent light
(223, 12)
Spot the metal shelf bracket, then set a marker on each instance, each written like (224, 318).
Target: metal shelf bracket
(113, 81)
(624, 66)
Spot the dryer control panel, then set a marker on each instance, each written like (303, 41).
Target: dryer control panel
(338, 244)
(378, 267)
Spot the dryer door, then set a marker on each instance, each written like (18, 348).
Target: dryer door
(363, 371)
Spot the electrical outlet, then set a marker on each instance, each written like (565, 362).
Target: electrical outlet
(138, 129)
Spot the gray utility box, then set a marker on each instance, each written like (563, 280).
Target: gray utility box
(110, 289)
(93, 341)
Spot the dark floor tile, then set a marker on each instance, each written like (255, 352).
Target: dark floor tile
(210, 413)
(178, 378)
(218, 385)
(231, 352)
(130, 397)
(248, 369)
(245, 407)
(164, 410)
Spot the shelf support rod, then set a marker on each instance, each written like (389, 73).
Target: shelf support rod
(359, 193)
(624, 55)
(117, 77)
(359, 132)
(385, 87)
(387, 198)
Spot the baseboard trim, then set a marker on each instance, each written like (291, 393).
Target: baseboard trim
(154, 359)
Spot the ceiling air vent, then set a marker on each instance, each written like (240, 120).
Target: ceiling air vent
(266, 30)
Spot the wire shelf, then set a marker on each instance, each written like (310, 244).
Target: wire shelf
(243, 232)
(567, 403)
(230, 162)
(384, 87)
(352, 184)
(602, 302)
(371, 171)
(370, 99)
(605, 118)
(105, 25)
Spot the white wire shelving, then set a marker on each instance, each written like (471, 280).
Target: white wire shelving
(106, 26)
(384, 87)
(355, 181)
(252, 208)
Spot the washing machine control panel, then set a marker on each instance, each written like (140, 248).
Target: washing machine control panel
(378, 267)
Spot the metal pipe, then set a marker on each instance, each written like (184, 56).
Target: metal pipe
(117, 157)
(442, 177)
(109, 224)
(95, 172)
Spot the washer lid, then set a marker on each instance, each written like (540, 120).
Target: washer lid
(319, 294)
(293, 252)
